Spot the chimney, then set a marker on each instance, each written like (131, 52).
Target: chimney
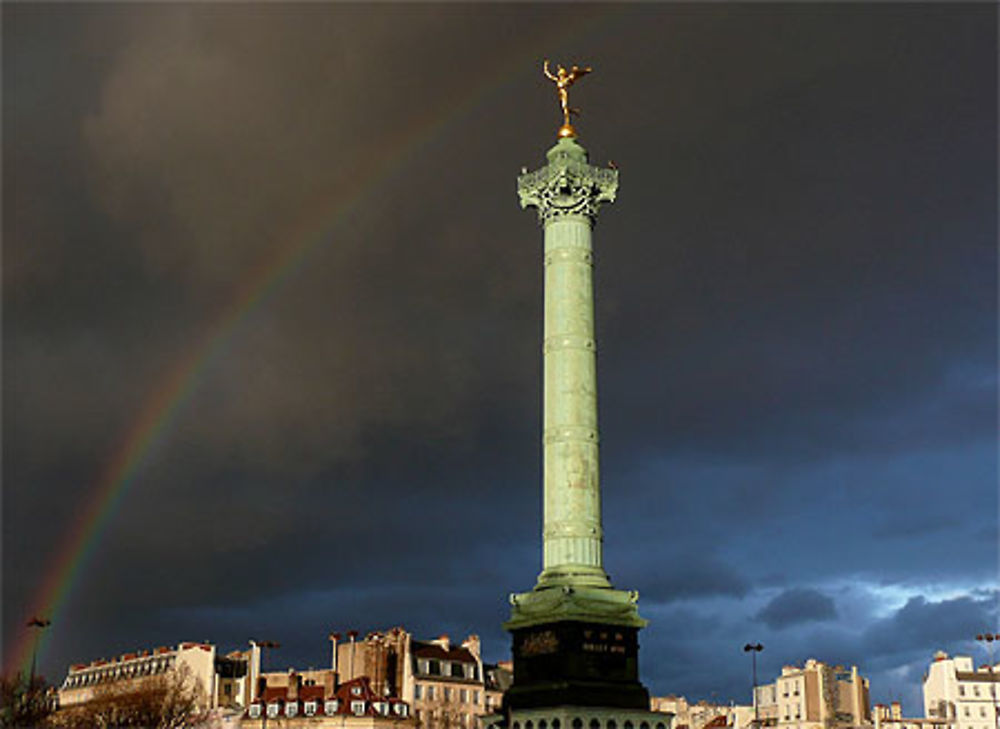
(294, 681)
(329, 685)
(444, 641)
(472, 644)
(351, 634)
(334, 637)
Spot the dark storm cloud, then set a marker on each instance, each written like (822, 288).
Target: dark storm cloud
(795, 299)
(795, 606)
(928, 622)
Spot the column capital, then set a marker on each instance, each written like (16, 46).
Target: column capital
(567, 185)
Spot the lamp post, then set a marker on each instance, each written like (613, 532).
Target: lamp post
(753, 649)
(988, 639)
(39, 624)
(265, 644)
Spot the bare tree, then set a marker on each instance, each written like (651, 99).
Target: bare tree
(168, 701)
(24, 702)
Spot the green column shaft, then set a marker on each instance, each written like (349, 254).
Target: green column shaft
(572, 534)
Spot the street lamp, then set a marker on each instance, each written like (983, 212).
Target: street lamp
(753, 649)
(39, 624)
(988, 639)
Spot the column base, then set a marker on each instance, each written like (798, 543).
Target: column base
(573, 575)
(582, 603)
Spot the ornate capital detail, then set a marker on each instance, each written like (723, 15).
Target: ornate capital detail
(567, 186)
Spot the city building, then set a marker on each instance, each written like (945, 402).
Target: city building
(891, 717)
(815, 696)
(447, 684)
(497, 678)
(219, 681)
(313, 699)
(957, 691)
(701, 714)
(449, 689)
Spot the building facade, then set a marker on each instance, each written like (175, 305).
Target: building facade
(315, 700)
(958, 692)
(446, 683)
(701, 714)
(217, 681)
(891, 717)
(815, 696)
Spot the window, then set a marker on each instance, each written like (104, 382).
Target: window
(358, 708)
(975, 690)
(475, 697)
(400, 709)
(430, 693)
(457, 670)
(291, 709)
(254, 711)
(434, 668)
(967, 711)
(447, 693)
(418, 692)
(463, 696)
(961, 690)
(309, 708)
(355, 690)
(272, 710)
(595, 724)
(330, 707)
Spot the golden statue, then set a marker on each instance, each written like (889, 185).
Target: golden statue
(563, 79)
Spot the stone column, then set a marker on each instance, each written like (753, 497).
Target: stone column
(567, 193)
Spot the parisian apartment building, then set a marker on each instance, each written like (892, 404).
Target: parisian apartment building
(956, 691)
(815, 696)
(447, 683)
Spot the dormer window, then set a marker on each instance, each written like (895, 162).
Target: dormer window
(330, 707)
(401, 710)
(254, 711)
(381, 707)
(358, 708)
(309, 708)
(291, 709)
(355, 690)
(272, 710)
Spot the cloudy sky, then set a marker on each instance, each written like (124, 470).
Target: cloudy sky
(272, 321)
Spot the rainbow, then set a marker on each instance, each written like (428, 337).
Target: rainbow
(168, 399)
